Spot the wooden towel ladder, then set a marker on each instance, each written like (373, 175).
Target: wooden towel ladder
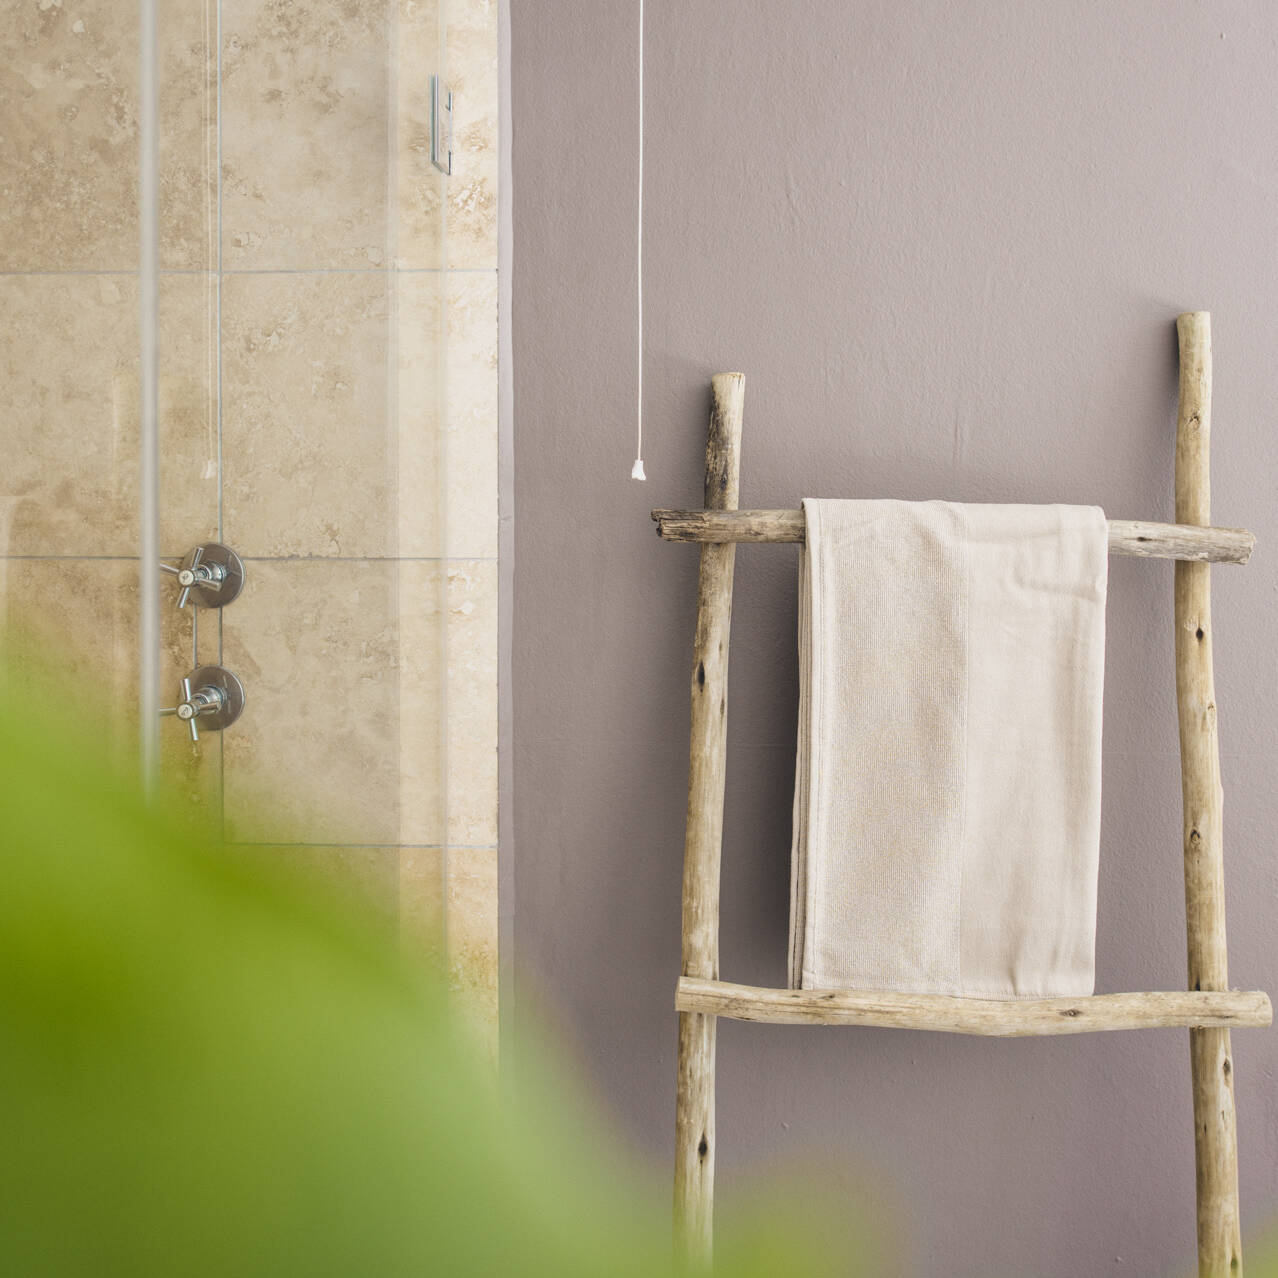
(1208, 1008)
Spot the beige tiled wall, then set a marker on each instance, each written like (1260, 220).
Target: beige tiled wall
(328, 395)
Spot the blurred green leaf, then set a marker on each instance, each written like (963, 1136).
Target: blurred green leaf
(207, 1069)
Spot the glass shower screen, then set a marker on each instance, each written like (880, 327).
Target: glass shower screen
(222, 283)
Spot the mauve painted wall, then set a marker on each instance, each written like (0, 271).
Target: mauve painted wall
(946, 244)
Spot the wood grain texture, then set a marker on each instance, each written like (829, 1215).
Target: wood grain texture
(1133, 537)
(694, 1111)
(994, 1018)
(1211, 1061)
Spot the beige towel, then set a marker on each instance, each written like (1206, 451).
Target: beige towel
(947, 797)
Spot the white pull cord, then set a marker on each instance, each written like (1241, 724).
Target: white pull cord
(636, 471)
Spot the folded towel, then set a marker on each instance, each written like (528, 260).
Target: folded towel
(947, 796)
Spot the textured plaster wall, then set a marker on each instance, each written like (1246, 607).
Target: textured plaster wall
(946, 245)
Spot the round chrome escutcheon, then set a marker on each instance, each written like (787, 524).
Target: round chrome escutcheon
(227, 564)
(232, 696)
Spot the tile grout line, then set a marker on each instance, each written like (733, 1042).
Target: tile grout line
(300, 270)
(279, 559)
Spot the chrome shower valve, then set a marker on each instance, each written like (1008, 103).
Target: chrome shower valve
(211, 694)
(212, 575)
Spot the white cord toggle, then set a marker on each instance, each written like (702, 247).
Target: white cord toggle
(636, 471)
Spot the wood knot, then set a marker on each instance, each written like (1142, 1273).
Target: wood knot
(703, 1147)
(1070, 1011)
(701, 674)
(1199, 634)
(1226, 1068)
(1195, 839)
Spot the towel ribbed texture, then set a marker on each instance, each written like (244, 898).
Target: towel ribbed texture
(947, 796)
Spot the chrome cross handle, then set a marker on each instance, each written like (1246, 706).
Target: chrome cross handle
(207, 700)
(194, 572)
(212, 573)
(218, 698)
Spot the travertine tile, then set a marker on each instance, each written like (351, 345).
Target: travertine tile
(69, 365)
(466, 592)
(309, 457)
(423, 613)
(473, 936)
(418, 411)
(365, 878)
(448, 478)
(341, 741)
(72, 625)
(305, 134)
(318, 458)
(188, 214)
(314, 758)
(470, 425)
(419, 185)
(69, 148)
(421, 904)
(471, 701)
(471, 218)
(464, 232)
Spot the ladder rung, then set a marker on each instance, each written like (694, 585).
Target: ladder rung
(1132, 537)
(996, 1018)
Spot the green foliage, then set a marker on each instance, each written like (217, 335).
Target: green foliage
(206, 1069)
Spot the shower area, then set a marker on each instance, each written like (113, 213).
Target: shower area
(251, 425)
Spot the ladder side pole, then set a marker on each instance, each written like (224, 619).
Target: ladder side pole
(694, 1112)
(1211, 1061)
